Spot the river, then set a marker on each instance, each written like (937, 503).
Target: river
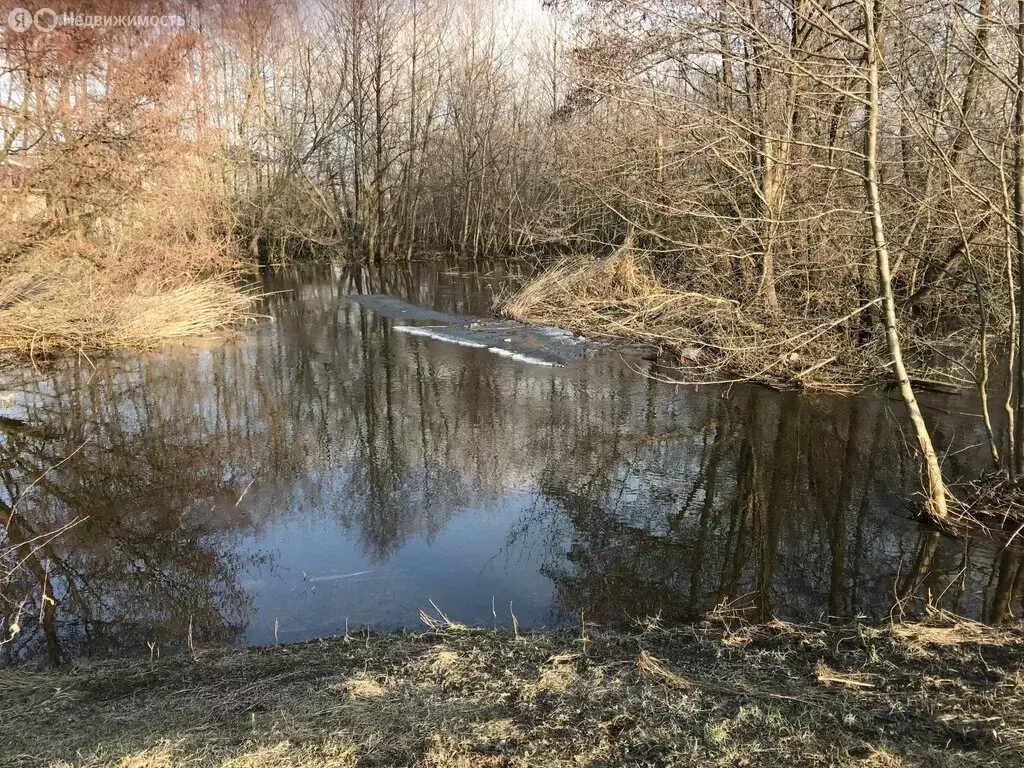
(324, 473)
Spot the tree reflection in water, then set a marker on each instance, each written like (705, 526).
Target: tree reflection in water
(150, 488)
(631, 497)
(778, 504)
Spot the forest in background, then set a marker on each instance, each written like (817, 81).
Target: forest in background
(822, 192)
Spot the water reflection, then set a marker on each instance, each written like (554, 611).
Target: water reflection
(325, 471)
(777, 504)
(133, 484)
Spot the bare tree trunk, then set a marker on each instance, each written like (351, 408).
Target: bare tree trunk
(769, 174)
(973, 79)
(1018, 221)
(935, 504)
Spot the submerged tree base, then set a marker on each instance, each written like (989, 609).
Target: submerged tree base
(938, 694)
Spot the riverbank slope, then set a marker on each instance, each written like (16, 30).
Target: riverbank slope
(946, 694)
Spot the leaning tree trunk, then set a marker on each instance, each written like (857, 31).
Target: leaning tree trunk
(935, 504)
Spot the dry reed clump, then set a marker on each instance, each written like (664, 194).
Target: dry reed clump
(620, 297)
(157, 268)
(82, 308)
(851, 695)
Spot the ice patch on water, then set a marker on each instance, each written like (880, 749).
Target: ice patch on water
(439, 334)
(452, 336)
(391, 306)
(520, 357)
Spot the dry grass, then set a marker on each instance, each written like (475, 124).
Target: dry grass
(157, 268)
(84, 309)
(620, 297)
(717, 694)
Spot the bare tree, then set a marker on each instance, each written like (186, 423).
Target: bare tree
(874, 26)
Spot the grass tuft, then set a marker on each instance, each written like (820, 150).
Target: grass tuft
(81, 309)
(159, 266)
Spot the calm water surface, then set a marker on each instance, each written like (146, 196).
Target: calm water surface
(327, 472)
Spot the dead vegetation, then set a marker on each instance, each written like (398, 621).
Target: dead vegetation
(992, 502)
(139, 286)
(156, 267)
(937, 694)
(710, 337)
(83, 314)
(115, 217)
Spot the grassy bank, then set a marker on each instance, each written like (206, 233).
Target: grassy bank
(48, 313)
(160, 265)
(711, 337)
(905, 695)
